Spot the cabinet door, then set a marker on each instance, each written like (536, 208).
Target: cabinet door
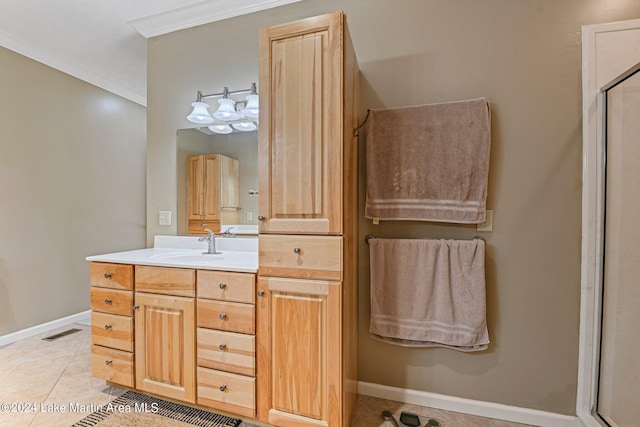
(165, 341)
(300, 149)
(203, 188)
(195, 187)
(299, 352)
(211, 200)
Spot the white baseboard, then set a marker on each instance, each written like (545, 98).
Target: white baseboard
(468, 406)
(83, 317)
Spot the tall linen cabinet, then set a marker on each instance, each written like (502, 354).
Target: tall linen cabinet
(307, 285)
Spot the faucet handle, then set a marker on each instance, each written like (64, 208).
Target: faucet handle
(209, 231)
(228, 230)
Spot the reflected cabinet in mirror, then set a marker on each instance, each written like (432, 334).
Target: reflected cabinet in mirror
(217, 178)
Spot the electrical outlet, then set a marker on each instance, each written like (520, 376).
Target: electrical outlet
(165, 218)
(249, 216)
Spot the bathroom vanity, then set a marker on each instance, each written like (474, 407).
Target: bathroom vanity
(177, 323)
(283, 348)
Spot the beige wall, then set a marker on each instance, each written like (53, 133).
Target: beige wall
(524, 56)
(72, 184)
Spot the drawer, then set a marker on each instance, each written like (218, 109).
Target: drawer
(112, 330)
(112, 365)
(166, 280)
(227, 316)
(112, 301)
(227, 392)
(114, 276)
(197, 226)
(238, 287)
(226, 351)
(307, 257)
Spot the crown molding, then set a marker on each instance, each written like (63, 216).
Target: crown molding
(199, 14)
(71, 69)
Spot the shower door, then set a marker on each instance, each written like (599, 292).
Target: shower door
(619, 381)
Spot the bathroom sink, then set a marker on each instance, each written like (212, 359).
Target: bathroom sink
(196, 259)
(191, 257)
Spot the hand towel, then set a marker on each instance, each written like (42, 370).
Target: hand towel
(429, 162)
(427, 293)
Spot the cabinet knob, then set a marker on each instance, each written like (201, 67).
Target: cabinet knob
(223, 316)
(135, 307)
(107, 301)
(260, 217)
(107, 327)
(223, 387)
(222, 285)
(107, 275)
(260, 293)
(108, 362)
(222, 346)
(297, 251)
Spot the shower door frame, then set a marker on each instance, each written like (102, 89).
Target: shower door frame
(608, 51)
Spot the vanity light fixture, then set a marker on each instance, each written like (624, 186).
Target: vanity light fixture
(200, 113)
(227, 110)
(244, 126)
(221, 129)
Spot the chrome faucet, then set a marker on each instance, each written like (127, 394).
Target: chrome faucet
(228, 233)
(211, 239)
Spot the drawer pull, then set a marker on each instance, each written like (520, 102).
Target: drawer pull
(222, 285)
(107, 301)
(107, 327)
(297, 251)
(107, 275)
(223, 316)
(222, 346)
(260, 293)
(108, 362)
(223, 387)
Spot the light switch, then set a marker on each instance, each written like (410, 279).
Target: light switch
(165, 218)
(487, 225)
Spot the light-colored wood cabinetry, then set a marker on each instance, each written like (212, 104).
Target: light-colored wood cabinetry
(306, 306)
(226, 341)
(212, 192)
(112, 322)
(165, 332)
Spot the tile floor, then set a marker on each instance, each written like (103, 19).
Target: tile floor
(49, 375)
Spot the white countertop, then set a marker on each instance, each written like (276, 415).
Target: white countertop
(237, 254)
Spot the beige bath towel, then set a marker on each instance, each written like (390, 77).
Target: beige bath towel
(429, 162)
(427, 293)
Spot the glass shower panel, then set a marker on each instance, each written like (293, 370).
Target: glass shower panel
(619, 383)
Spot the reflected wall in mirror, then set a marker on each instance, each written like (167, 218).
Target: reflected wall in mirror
(242, 146)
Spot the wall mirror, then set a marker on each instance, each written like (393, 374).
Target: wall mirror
(242, 146)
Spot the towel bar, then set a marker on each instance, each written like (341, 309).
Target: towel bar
(371, 236)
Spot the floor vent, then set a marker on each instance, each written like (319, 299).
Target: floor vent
(62, 334)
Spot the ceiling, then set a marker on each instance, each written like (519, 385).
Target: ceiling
(104, 41)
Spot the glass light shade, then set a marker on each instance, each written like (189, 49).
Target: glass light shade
(200, 113)
(244, 126)
(227, 110)
(223, 129)
(252, 109)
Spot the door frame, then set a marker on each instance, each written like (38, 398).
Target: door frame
(608, 50)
